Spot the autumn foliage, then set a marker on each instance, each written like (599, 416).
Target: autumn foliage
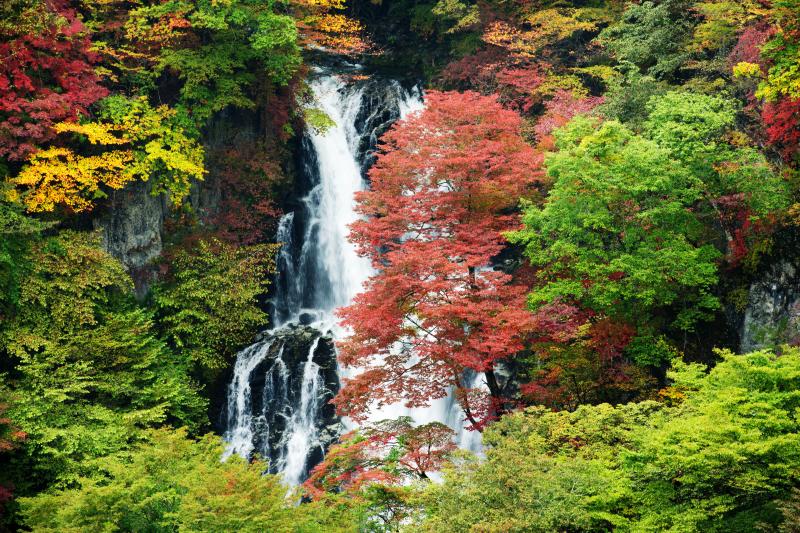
(443, 192)
(387, 452)
(10, 438)
(782, 122)
(45, 78)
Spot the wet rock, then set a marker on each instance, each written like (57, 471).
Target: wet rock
(291, 376)
(379, 110)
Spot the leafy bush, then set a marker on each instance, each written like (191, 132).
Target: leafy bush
(210, 308)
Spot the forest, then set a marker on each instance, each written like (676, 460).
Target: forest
(562, 293)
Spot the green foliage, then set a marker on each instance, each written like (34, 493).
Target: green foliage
(318, 120)
(650, 350)
(459, 15)
(627, 96)
(166, 143)
(544, 471)
(721, 24)
(651, 35)
(210, 308)
(713, 462)
(783, 50)
(16, 233)
(617, 233)
(90, 371)
(693, 127)
(168, 483)
(236, 36)
(138, 141)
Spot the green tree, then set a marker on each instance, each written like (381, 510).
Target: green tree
(209, 308)
(237, 43)
(17, 232)
(698, 130)
(652, 35)
(617, 233)
(167, 483)
(544, 471)
(783, 51)
(89, 370)
(715, 458)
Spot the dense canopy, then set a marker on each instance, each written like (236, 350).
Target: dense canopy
(583, 246)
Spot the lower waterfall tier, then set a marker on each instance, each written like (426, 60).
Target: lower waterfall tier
(279, 400)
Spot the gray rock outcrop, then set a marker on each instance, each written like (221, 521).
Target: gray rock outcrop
(773, 310)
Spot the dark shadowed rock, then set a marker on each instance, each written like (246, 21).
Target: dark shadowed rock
(279, 370)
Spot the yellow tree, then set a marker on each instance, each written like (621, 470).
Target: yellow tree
(133, 141)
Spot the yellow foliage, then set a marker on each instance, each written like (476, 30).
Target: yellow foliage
(143, 143)
(747, 70)
(567, 82)
(605, 73)
(57, 176)
(334, 31)
(95, 132)
(557, 24)
(722, 21)
(337, 24)
(320, 4)
(671, 396)
(546, 27)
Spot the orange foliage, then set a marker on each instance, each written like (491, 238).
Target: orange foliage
(336, 32)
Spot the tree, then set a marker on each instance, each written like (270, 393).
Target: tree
(605, 362)
(373, 469)
(782, 52)
(653, 36)
(167, 483)
(388, 452)
(89, 372)
(443, 191)
(782, 121)
(211, 47)
(250, 181)
(208, 308)
(17, 231)
(771, 56)
(141, 142)
(713, 458)
(617, 234)
(696, 129)
(46, 77)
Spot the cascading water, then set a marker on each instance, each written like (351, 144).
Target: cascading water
(278, 399)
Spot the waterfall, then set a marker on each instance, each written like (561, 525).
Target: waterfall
(291, 423)
(301, 430)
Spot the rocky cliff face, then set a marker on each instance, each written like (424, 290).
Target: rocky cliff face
(773, 310)
(132, 230)
(133, 224)
(374, 118)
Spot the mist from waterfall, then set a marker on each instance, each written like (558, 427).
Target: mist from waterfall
(318, 272)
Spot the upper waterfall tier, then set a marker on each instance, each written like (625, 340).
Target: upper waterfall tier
(318, 268)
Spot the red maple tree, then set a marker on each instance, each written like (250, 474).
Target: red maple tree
(782, 122)
(444, 190)
(45, 77)
(387, 453)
